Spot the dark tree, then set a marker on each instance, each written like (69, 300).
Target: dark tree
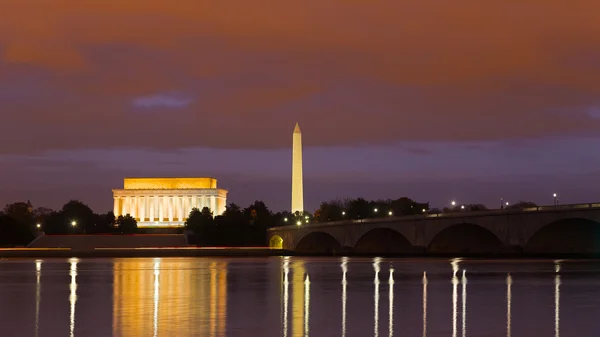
(407, 206)
(80, 216)
(13, 233)
(105, 223)
(522, 204)
(359, 209)
(475, 207)
(22, 213)
(202, 224)
(127, 224)
(329, 211)
(55, 223)
(41, 213)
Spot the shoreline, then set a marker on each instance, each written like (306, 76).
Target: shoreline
(249, 252)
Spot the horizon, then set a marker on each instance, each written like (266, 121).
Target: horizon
(471, 112)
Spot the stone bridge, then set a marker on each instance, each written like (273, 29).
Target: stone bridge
(564, 229)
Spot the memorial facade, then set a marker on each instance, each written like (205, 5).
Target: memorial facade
(167, 202)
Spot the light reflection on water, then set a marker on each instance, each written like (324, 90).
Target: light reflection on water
(314, 297)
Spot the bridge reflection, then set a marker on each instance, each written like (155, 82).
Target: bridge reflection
(459, 279)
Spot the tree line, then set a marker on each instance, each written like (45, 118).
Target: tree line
(20, 221)
(235, 227)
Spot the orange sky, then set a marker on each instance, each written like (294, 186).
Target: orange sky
(260, 64)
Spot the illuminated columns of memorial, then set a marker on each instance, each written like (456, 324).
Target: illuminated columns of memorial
(167, 201)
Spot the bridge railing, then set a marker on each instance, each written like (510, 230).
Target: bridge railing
(458, 214)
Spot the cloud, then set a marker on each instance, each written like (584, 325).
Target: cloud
(168, 100)
(351, 72)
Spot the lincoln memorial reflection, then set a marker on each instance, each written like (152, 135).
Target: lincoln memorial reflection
(157, 299)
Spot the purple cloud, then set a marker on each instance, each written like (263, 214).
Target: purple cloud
(167, 100)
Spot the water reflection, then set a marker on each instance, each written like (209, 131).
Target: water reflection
(455, 281)
(286, 296)
(391, 300)
(156, 294)
(377, 269)
(344, 293)
(464, 303)
(298, 298)
(38, 295)
(152, 297)
(306, 305)
(425, 282)
(508, 305)
(557, 299)
(73, 294)
(189, 297)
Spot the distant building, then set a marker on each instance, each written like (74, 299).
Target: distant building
(167, 202)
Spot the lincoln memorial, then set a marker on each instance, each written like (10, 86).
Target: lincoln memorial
(166, 202)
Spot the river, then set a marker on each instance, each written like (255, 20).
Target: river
(295, 296)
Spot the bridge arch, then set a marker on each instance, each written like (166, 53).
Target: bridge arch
(276, 242)
(566, 236)
(466, 239)
(318, 243)
(383, 241)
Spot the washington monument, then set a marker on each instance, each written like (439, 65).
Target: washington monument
(297, 182)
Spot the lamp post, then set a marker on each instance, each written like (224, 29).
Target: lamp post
(390, 213)
(555, 199)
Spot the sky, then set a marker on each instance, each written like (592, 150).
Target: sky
(435, 100)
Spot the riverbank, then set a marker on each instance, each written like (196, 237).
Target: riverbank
(141, 252)
(244, 252)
